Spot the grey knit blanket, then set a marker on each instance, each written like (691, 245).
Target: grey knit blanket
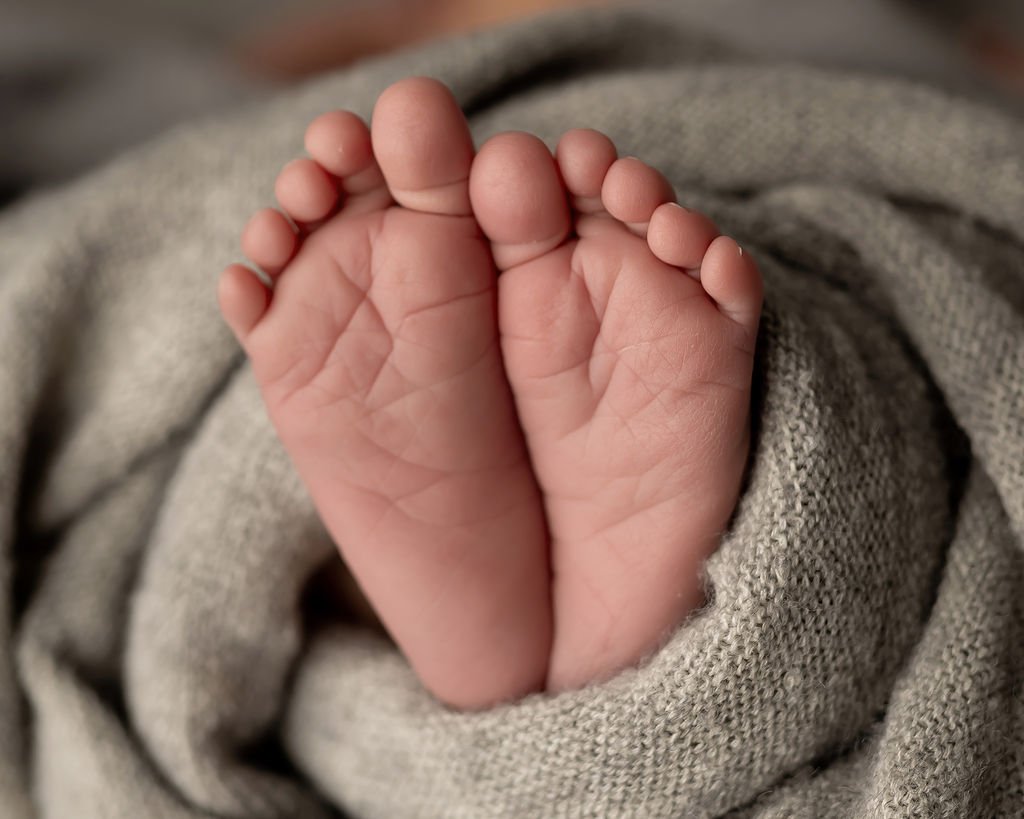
(162, 649)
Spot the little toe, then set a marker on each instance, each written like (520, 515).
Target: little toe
(679, 236)
(632, 191)
(731, 277)
(306, 192)
(518, 198)
(243, 299)
(584, 157)
(339, 142)
(269, 241)
(423, 145)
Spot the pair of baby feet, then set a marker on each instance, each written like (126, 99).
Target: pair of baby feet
(516, 385)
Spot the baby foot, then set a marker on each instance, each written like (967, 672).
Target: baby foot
(378, 359)
(628, 327)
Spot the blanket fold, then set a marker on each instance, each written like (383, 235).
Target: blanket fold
(862, 651)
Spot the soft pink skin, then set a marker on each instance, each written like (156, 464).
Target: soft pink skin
(450, 423)
(631, 379)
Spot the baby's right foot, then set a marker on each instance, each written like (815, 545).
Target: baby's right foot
(378, 359)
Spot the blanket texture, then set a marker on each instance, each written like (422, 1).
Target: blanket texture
(862, 653)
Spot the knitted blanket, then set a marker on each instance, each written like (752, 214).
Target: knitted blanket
(162, 653)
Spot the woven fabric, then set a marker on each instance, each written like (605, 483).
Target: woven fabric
(861, 653)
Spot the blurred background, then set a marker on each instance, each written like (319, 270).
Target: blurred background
(80, 82)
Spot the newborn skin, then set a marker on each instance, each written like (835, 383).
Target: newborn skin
(517, 386)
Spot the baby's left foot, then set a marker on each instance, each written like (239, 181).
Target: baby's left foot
(628, 328)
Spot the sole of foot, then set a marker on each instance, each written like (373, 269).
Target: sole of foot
(628, 327)
(378, 358)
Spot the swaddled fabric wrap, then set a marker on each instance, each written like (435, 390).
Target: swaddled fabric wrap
(862, 652)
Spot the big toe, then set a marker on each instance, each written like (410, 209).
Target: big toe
(423, 145)
(518, 198)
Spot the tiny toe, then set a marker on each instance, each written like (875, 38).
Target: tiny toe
(731, 277)
(680, 237)
(305, 191)
(339, 141)
(632, 191)
(518, 198)
(584, 157)
(269, 241)
(423, 145)
(243, 299)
